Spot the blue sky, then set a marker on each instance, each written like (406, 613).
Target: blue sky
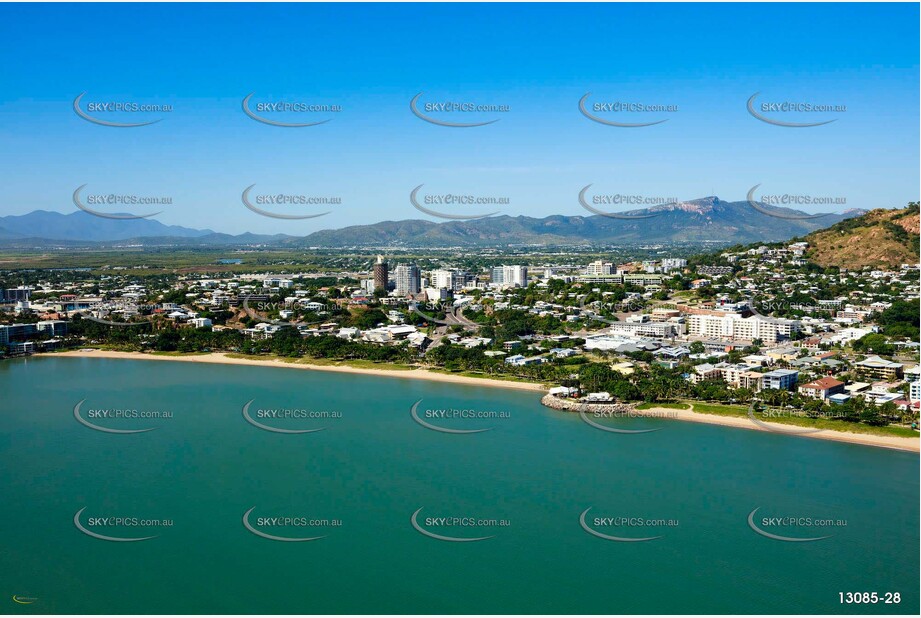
(539, 60)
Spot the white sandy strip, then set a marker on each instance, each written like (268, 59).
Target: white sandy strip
(893, 442)
(223, 359)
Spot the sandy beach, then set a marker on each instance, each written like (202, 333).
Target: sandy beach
(737, 422)
(892, 442)
(224, 359)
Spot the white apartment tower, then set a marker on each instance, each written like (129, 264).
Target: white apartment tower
(408, 279)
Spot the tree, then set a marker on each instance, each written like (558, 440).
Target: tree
(874, 343)
(871, 416)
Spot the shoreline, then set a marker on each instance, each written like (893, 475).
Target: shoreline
(221, 358)
(911, 445)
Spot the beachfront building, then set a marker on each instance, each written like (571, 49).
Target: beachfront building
(388, 334)
(520, 361)
(822, 389)
(779, 379)
(12, 334)
(53, 328)
(751, 380)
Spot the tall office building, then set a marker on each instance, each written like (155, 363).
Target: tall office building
(497, 275)
(446, 279)
(515, 276)
(509, 276)
(381, 274)
(408, 279)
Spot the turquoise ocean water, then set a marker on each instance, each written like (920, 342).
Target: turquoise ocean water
(358, 482)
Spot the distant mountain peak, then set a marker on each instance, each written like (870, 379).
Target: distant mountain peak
(706, 219)
(698, 206)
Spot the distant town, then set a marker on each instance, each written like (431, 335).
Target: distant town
(758, 324)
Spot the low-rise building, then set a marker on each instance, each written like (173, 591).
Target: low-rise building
(880, 368)
(822, 388)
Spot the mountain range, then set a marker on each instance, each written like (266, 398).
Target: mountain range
(707, 219)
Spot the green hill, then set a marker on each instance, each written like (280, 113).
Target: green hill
(883, 238)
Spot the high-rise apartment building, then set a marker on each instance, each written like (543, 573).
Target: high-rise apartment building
(381, 274)
(408, 279)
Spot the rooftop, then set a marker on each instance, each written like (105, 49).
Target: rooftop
(823, 384)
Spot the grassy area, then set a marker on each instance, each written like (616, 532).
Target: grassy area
(812, 423)
(357, 364)
(481, 375)
(670, 406)
(718, 408)
(833, 425)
